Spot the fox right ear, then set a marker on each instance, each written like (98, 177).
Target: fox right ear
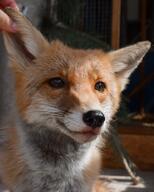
(124, 61)
(27, 43)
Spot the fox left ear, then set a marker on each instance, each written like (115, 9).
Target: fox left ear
(27, 43)
(124, 61)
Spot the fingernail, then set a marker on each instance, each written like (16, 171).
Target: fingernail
(13, 27)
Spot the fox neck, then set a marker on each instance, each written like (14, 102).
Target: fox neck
(56, 155)
(51, 145)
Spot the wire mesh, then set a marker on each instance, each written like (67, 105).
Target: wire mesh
(90, 16)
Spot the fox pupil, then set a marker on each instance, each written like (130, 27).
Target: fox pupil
(57, 82)
(100, 86)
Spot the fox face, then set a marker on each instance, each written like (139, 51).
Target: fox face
(70, 91)
(73, 92)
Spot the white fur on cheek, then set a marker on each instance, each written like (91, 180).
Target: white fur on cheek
(41, 111)
(74, 122)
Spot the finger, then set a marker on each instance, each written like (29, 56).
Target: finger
(13, 5)
(8, 3)
(5, 23)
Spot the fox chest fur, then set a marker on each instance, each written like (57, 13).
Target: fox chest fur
(65, 101)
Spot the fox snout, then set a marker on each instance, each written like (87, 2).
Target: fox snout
(93, 119)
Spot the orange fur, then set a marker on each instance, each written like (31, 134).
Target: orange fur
(100, 187)
(11, 159)
(76, 96)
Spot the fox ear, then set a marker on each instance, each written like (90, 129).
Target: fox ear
(27, 43)
(124, 61)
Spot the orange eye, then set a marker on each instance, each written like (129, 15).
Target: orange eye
(56, 82)
(100, 86)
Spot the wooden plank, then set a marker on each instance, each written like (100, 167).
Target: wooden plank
(116, 20)
(136, 129)
(138, 140)
(140, 149)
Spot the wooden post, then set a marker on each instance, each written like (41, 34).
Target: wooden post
(116, 20)
(143, 18)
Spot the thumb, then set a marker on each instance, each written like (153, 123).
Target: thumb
(5, 23)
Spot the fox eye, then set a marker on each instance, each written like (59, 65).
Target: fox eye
(100, 86)
(56, 82)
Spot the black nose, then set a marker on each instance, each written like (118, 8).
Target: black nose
(94, 118)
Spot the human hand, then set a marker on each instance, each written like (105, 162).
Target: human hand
(5, 22)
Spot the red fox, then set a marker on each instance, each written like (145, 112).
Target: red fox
(66, 99)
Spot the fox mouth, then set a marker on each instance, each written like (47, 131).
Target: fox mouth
(85, 135)
(88, 131)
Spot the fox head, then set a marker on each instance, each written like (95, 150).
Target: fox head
(71, 91)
